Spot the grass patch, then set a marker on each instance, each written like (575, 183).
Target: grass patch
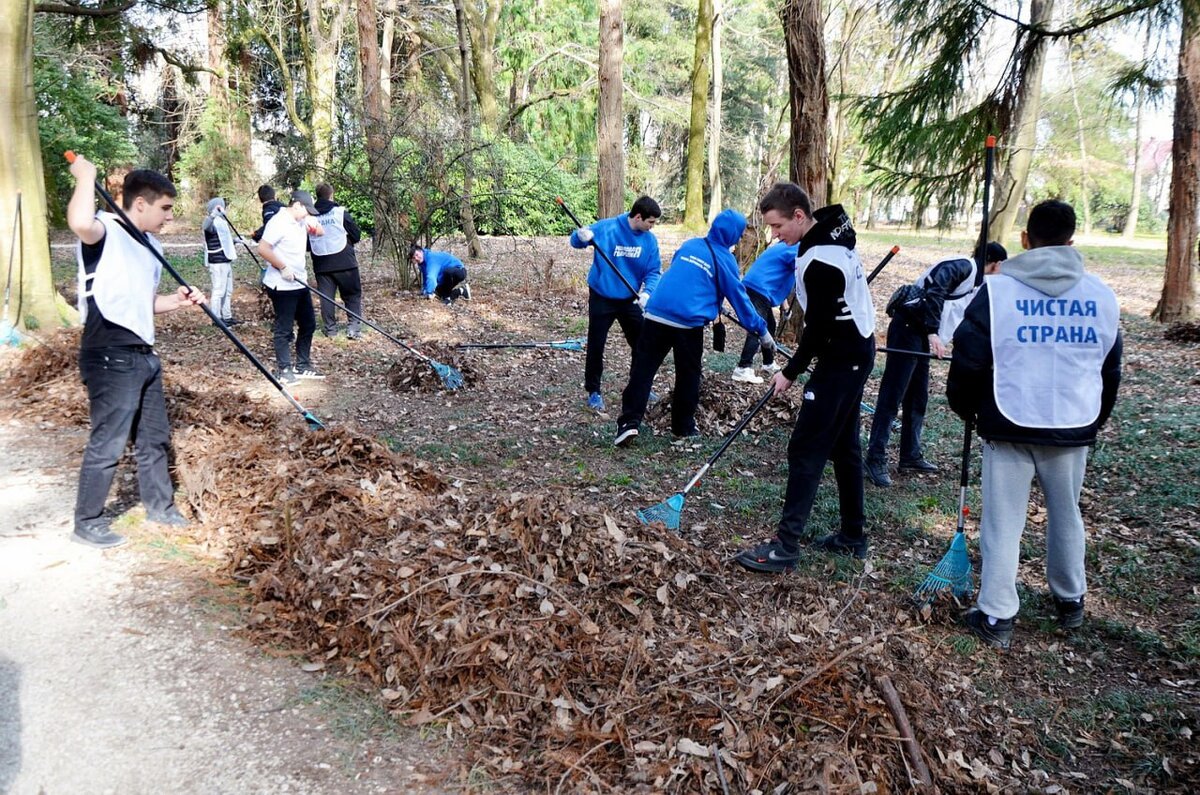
(353, 715)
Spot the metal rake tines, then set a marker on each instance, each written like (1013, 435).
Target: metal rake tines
(668, 512)
(451, 378)
(953, 571)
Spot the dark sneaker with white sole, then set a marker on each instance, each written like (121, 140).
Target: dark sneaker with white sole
(769, 556)
(625, 436)
(995, 632)
(918, 465)
(841, 544)
(287, 376)
(170, 517)
(98, 537)
(309, 373)
(876, 472)
(1070, 612)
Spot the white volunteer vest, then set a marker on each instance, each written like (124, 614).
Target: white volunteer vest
(125, 281)
(856, 303)
(334, 239)
(1049, 350)
(956, 301)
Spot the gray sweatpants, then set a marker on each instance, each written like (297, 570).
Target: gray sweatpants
(222, 289)
(1008, 470)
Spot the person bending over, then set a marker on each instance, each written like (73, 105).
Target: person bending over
(443, 275)
(768, 283)
(283, 246)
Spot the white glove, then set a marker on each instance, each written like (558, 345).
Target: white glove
(642, 298)
(287, 275)
(585, 235)
(766, 341)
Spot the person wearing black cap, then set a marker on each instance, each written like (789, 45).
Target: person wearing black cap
(924, 315)
(283, 246)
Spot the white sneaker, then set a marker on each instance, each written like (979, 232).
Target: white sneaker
(771, 369)
(746, 375)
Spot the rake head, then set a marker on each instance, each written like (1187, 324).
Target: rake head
(668, 512)
(10, 336)
(568, 345)
(314, 424)
(452, 379)
(953, 571)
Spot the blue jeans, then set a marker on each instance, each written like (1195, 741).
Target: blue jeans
(125, 400)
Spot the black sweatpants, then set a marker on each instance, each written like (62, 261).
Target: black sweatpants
(905, 382)
(826, 430)
(292, 307)
(349, 285)
(448, 282)
(762, 305)
(602, 312)
(656, 341)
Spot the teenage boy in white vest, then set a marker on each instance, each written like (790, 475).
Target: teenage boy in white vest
(924, 317)
(283, 246)
(219, 255)
(839, 332)
(118, 299)
(1037, 363)
(768, 283)
(702, 275)
(443, 275)
(628, 241)
(335, 263)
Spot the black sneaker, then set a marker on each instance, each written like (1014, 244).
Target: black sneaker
(877, 473)
(99, 537)
(170, 517)
(841, 544)
(918, 465)
(309, 373)
(625, 436)
(287, 376)
(997, 635)
(465, 291)
(1070, 612)
(769, 556)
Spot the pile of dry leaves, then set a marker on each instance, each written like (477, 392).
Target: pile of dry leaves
(412, 373)
(724, 403)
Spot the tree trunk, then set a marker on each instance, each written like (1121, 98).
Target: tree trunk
(715, 199)
(374, 111)
(1178, 301)
(1022, 136)
(809, 149)
(1085, 198)
(481, 27)
(466, 212)
(610, 128)
(693, 203)
(33, 301)
(385, 55)
(1135, 196)
(326, 18)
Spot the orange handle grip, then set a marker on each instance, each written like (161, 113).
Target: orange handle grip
(70, 156)
(895, 249)
(991, 142)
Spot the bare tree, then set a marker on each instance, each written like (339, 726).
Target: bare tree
(693, 203)
(610, 121)
(466, 212)
(715, 199)
(802, 27)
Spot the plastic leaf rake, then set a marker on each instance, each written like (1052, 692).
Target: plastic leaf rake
(953, 571)
(572, 344)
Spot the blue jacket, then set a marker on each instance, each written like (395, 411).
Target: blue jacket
(773, 274)
(435, 263)
(692, 289)
(635, 253)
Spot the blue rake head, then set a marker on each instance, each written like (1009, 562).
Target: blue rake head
(314, 424)
(953, 571)
(568, 345)
(10, 336)
(452, 379)
(668, 512)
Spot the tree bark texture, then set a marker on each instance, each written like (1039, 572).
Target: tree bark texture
(326, 19)
(1178, 300)
(33, 293)
(466, 212)
(809, 148)
(610, 117)
(375, 125)
(482, 25)
(1085, 200)
(1135, 194)
(1022, 136)
(693, 203)
(715, 191)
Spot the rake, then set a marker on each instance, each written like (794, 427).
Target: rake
(140, 237)
(670, 510)
(452, 379)
(572, 344)
(603, 255)
(953, 571)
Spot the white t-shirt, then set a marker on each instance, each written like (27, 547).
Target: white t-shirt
(289, 238)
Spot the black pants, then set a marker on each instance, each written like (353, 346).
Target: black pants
(349, 286)
(905, 382)
(449, 279)
(125, 400)
(293, 307)
(762, 305)
(826, 430)
(656, 341)
(601, 314)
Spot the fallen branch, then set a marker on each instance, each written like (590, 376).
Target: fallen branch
(907, 740)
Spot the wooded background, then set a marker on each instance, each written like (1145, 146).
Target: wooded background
(468, 117)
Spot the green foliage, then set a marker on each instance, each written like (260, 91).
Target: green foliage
(213, 165)
(73, 113)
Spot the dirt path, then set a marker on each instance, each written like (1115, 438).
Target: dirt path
(117, 674)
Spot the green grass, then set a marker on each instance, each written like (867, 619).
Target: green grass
(352, 714)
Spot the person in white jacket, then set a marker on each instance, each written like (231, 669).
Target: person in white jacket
(219, 255)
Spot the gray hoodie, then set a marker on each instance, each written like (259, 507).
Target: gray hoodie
(218, 239)
(1050, 269)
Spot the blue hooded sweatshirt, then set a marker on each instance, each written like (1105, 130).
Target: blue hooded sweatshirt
(773, 274)
(635, 253)
(692, 289)
(435, 263)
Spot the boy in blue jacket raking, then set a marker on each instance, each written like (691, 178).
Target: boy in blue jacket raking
(702, 275)
(632, 247)
(768, 283)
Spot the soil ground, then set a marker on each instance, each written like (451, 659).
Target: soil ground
(1110, 708)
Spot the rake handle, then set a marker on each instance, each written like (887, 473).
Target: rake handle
(920, 354)
(141, 238)
(603, 255)
(963, 474)
(737, 429)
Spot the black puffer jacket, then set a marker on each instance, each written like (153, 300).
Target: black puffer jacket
(341, 260)
(970, 384)
(939, 285)
(269, 209)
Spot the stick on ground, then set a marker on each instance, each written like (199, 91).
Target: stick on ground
(907, 740)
